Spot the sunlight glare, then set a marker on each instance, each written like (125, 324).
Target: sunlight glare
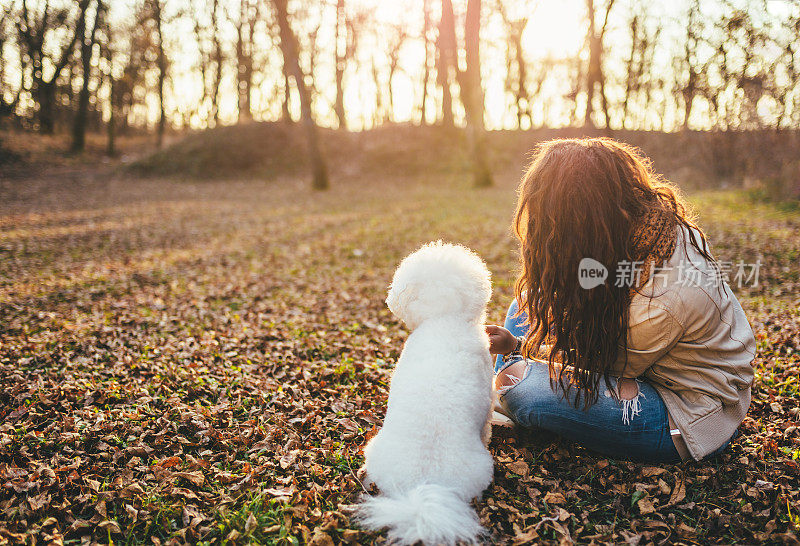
(556, 29)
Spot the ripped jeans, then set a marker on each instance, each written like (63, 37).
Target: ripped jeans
(636, 429)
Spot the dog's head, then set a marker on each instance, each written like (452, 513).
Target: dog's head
(439, 279)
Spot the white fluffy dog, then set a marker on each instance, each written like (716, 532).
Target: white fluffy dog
(430, 460)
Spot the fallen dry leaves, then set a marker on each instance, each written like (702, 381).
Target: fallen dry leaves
(202, 363)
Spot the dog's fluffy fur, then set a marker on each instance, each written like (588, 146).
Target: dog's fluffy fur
(429, 460)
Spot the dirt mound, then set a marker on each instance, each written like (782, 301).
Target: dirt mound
(270, 149)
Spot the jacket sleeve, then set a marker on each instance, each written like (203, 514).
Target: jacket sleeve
(652, 332)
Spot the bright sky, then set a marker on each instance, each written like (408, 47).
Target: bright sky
(556, 31)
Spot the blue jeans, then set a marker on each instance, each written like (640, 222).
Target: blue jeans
(637, 430)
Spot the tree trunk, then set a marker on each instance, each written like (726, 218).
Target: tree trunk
(291, 59)
(218, 61)
(162, 71)
(46, 97)
(591, 75)
(87, 51)
(287, 92)
(393, 60)
(244, 61)
(426, 74)
(448, 60)
(522, 91)
(340, 60)
(594, 74)
(378, 93)
(111, 127)
(447, 100)
(472, 96)
(631, 76)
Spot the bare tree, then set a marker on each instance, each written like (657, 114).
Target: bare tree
(33, 30)
(340, 61)
(472, 96)
(380, 113)
(156, 16)
(469, 82)
(87, 41)
(291, 59)
(447, 60)
(515, 61)
(426, 43)
(689, 65)
(138, 51)
(790, 64)
(633, 67)
(398, 35)
(249, 15)
(594, 72)
(212, 56)
(7, 107)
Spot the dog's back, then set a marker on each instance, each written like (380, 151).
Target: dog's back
(439, 402)
(429, 459)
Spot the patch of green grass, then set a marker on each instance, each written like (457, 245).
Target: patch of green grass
(258, 519)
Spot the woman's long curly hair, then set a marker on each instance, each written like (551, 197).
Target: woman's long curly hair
(581, 198)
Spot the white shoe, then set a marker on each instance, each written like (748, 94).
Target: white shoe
(501, 420)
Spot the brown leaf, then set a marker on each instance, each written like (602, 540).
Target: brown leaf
(279, 491)
(288, 459)
(39, 501)
(169, 462)
(196, 478)
(251, 523)
(110, 526)
(133, 490)
(519, 467)
(320, 538)
(183, 492)
(527, 537)
(80, 524)
(678, 493)
(554, 498)
(685, 531)
(645, 506)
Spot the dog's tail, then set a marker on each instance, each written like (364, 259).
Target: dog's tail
(431, 514)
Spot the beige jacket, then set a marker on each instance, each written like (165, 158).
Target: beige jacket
(689, 337)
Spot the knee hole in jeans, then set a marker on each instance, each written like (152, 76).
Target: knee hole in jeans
(627, 388)
(629, 393)
(510, 376)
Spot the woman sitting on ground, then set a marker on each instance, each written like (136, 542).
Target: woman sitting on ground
(627, 340)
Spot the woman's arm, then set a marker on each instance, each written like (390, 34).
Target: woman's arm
(652, 332)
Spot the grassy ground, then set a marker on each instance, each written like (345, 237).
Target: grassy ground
(201, 362)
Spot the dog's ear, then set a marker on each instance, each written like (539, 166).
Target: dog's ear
(398, 300)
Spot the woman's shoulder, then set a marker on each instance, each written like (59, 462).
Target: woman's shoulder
(688, 284)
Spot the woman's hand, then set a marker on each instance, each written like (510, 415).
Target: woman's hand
(501, 341)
